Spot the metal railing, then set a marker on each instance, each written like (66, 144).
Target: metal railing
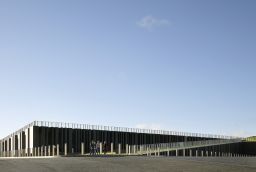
(125, 129)
(163, 147)
(117, 129)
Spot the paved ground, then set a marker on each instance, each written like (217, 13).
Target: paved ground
(129, 164)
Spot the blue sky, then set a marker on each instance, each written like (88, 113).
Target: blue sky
(176, 65)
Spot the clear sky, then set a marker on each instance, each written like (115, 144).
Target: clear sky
(176, 65)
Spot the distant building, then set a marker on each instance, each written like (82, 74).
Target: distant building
(42, 138)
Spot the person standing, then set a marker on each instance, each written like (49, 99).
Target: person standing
(98, 147)
(105, 147)
(94, 148)
(91, 148)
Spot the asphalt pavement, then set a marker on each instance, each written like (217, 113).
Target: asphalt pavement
(129, 164)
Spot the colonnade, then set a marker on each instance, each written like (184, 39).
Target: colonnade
(55, 141)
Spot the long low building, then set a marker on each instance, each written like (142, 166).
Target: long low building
(42, 138)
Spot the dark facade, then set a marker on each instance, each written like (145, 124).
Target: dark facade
(40, 134)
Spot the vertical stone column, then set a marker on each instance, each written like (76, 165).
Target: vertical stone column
(127, 147)
(49, 150)
(100, 147)
(184, 152)
(140, 148)
(38, 151)
(168, 153)
(13, 146)
(10, 148)
(196, 153)
(82, 148)
(134, 149)
(45, 150)
(202, 153)
(158, 151)
(3, 150)
(58, 150)
(42, 150)
(190, 152)
(119, 149)
(21, 144)
(7, 152)
(129, 150)
(26, 142)
(177, 152)
(147, 151)
(53, 150)
(65, 149)
(112, 148)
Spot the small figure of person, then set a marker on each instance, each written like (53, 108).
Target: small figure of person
(92, 148)
(105, 147)
(98, 148)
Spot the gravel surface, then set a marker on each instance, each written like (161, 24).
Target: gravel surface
(129, 164)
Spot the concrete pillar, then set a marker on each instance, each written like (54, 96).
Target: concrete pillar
(8, 148)
(45, 150)
(196, 153)
(141, 149)
(168, 153)
(211, 153)
(184, 152)
(82, 148)
(13, 146)
(65, 149)
(42, 151)
(158, 151)
(215, 154)
(177, 152)
(58, 150)
(207, 153)
(53, 150)
(100, 147)
(119, 149)
(190, 152)
(129, 150)
(38, 151)
(134, 149)
(147, 151)
(21, 144)
(112, 148)
(202, 153)
(49, 150)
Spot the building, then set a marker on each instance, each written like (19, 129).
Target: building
(42, 138)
